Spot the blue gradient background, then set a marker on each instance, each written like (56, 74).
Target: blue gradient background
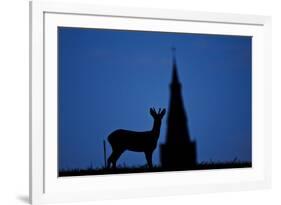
(109, 79)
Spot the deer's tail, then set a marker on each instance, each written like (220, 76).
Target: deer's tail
(111, 138)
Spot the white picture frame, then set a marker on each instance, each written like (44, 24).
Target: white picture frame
(46, 187)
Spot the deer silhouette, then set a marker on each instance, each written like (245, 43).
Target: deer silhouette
(122, 140)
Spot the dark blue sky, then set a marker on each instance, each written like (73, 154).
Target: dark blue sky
(109, 79)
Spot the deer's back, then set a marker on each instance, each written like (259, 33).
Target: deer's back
(132, 140)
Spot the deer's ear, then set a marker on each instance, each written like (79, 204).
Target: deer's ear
(151, 112)
(163, 112)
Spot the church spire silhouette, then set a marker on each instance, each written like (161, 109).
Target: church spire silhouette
(178, 151)
(175, 78)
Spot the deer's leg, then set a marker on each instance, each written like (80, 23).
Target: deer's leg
(117, 155)
(114, 157)
(148, 156)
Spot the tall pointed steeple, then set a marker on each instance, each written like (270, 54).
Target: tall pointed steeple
(178, 151)
(175, 79)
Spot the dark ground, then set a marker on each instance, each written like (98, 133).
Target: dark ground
(142, 169)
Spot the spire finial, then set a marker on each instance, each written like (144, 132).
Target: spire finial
(175, 74)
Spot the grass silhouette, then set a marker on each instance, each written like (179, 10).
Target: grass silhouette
(123, 169)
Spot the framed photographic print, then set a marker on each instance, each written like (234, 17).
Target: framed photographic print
(129, 102)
